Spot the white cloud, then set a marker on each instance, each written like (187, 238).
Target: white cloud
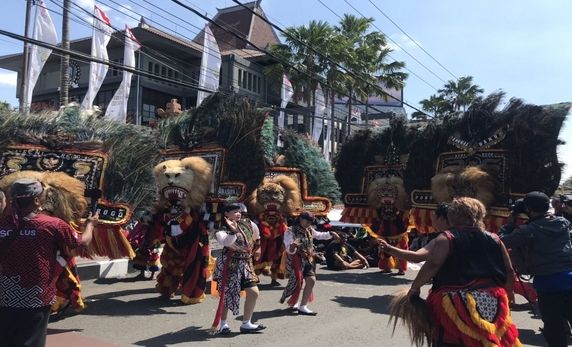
(399, 42)
(86, 4)
(8, 78)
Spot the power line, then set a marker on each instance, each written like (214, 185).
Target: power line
(414, 41)
(184, 21)
(389, 55)
(314, 50)
(317, 77)
(397, 44)
(88, 58)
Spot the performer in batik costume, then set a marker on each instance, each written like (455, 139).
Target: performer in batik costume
(301, 265)
(234, 270)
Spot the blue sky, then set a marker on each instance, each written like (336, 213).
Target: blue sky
(522, 47)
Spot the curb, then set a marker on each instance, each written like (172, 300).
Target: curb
(96, 269)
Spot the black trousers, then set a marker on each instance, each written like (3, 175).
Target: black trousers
(24, 327)
(556, 311)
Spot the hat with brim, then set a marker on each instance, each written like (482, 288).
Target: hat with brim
(26, 188)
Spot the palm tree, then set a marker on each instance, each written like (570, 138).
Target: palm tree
(306, 62)
(461, 93)
(367, 59)
(436, 105)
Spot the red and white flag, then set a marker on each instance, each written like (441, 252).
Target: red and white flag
(286, 94)
(210, 65)
(117, 109)
(44, 30)
(101, 35)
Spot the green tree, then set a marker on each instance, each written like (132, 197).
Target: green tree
(367, 57)
(5, 106)
(436, 105)
(461, 93)
(306, 64)
(455, 97)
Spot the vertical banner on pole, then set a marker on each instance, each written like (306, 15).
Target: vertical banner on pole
(328, 138)
(286, 94)
(117, 109)
(44, 30)
(210, 65)
(101, 35)
(319, 108)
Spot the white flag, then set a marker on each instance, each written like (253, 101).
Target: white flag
(210, 65)
(117, 108)
(286, 94)
(101, 35)
(44, 30)
(319, 108)
(328, 138)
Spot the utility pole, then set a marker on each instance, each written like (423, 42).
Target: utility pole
(24, 82)
(65, 60)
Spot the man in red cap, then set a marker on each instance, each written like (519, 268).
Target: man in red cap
(301, 265)
(29, 241)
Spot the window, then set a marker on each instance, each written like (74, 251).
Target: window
(249, 81)
(244, 79)
(114, 71)
(147, 113)
(150, 68)
(259, 90)
(170, 73)
(156, 69)
(163, 71)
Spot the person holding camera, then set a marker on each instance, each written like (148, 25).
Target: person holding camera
(544, 241)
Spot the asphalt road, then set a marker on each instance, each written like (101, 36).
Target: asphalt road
(351, 306)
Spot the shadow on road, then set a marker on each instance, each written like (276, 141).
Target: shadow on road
(52, 331)
(280, 312)
(370, 278)
(270, 287)
(532, 309)
(530, 337)
(121, 293)
(190, 334)
(376, 304)
(141, 307)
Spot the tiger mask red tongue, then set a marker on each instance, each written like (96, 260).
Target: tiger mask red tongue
(272, 207)
(174, 194)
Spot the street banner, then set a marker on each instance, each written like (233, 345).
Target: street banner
(101, 35)
(210, 66)
(286, 94)
(44, 30)
(319, 109)
(117, 109)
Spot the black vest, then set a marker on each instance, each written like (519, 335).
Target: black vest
(473, 255)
